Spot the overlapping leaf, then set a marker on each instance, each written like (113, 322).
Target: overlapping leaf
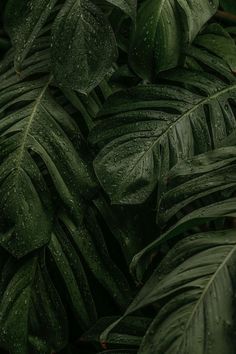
(74, 278)
(24, 20)
(70, 243)
(90, 242)
(193, 295)
(35, 133)
(209, 180)
(128, 333)
(146, 130)
(82, 29)
(214, 48)
(164, 28)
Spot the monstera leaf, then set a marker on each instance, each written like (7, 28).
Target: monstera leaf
(198, 191)
(194, 312)
(36, 134)
(78, 26)
(214, 47)
(164, 28)
(144, 131)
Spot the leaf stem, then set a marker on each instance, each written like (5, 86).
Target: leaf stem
(225, 16)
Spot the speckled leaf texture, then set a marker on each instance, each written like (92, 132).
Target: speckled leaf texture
(146, 130)
(195, 285)
(23, 33)
(81, 29)
(163, 28)
(199, 190)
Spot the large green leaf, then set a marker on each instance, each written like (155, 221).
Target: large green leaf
(199, 190)
(164, 28)
(193, 294)
(82, 30)
(146, 130)
(35, 134)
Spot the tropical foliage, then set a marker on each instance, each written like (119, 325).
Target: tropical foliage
(117, 176)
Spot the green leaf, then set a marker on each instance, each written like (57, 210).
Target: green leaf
(146, 130)
(35, 133)
(25, 200)
(213, 172)
(199, 190)
(163, 29)
(23, 21)
(217, 41)
(193, 289)
(30, 305)
(82, 30)
(206, 52)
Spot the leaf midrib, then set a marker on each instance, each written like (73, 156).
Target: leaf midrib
(29, 125)
(200, 103)
(222, 265)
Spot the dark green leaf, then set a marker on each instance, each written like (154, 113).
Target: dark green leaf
(209, 174)
(194, 287)
(146, 130)
(82, 30)
(163, 29)
(34, 136)
(218, 42)
(23, 21)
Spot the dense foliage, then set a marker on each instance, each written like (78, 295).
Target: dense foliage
(117, 176)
